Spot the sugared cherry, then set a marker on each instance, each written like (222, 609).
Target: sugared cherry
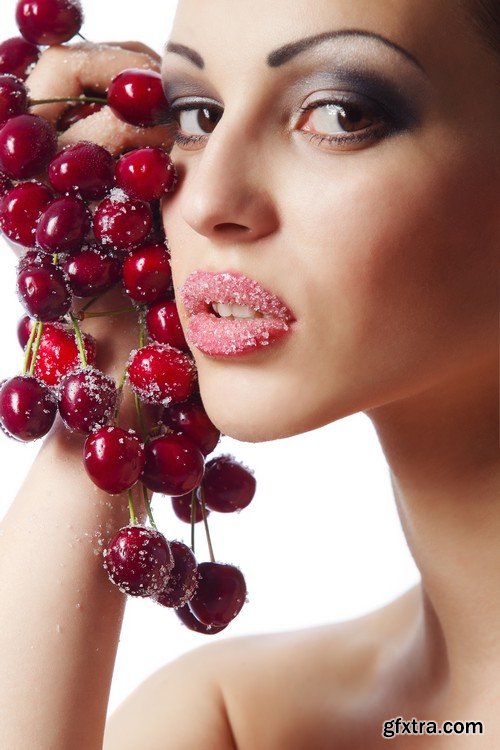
(17, 55)
(58, 353)
(138, 560)
(91, 270)
(20, 210)
(49, 21)
(63, 225)
(27, 408)
(160, 374)
(136, 96)
(86, 399)
(84, 168)
(183, 579)
(113, 458)
(24, 328)
(145, 173)
(27, 144)
(13, 97)
(146, 273)
(228, 486)
(189, 418)
(121, 222)
(220, 594)
(173, 465)
(44, 292)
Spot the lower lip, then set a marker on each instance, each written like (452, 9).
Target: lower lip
(234, 337)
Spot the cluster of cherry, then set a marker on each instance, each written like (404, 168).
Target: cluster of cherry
(89, 222)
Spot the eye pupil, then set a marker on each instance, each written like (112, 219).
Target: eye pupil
(351, 117)
(208, 119)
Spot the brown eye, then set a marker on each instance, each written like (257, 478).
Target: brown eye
(335, 118)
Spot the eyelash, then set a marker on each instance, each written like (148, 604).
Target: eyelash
(380, 115)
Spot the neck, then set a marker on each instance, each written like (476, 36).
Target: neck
(442, 447)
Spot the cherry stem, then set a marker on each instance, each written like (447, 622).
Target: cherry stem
(148, 507)
(193, 496)
(39, 329)
(55, 258)
(79, 340)
(82, 315)
(82, 37)
(202, 499)
(91, 302)
(140, 417)
(29, 346)
(131, 508)
(59, 99)
(119, 390)
(142, 329)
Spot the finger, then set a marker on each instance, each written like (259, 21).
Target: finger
(105, 129)
(66, 70)
(136, 47)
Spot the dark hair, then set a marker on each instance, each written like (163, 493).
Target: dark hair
(485, 15)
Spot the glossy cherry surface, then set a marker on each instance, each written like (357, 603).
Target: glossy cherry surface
(63, 225)
(164, 326)
(192, 623)
(83, 168)
(113, 458)
(160, 374)
(27, 408)
(228, 485)
(220, 594)
(146, 273)
(17, 55)
(27, 144)
(136, 96)
(189, 418)
(173, 465)
(13, 97)
(49, 21)
(146, 173)
(91, 270)
(44, 292)
(20, 209)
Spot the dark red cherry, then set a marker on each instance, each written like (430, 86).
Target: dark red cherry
(24, 328)
(173, 465)
(17, 56)
(181, 505)
(20, 210)
(220, 594)
(138, 560)
(58, 353)
(189, 418)
(146, 173)
(146, 273)
(27, 144)
(13, 97)
(44, 292)
(183, 579)
(27, 408)
(63, 225)
(86, 399)
(113, 458)
(5, 184)
(136, 96)
(228, 486)
(34, 258)
(84, 168)
(120, 222)
(164, 326)
(76, 113)
(49, 21)
(91, 270)
(189, 620)
(160, 374)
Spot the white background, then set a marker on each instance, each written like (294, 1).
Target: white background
(320, 542)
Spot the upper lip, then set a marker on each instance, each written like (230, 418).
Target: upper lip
(201, 288)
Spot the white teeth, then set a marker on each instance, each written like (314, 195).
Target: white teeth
(236, 311)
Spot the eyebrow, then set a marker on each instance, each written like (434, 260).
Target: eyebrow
(283, 54)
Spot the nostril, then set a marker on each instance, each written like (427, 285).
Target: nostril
(229, 227)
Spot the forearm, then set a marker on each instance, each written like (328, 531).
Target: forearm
(60, 616)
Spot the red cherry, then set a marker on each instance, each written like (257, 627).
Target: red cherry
(113, 458)
(146, 273)
(146, 173)
(164, 326)
(228, 486)
(44, 292)
(5, 184)
(63, 225)
(181, 505)
(84, 168)
(220, 594)
(13, 97)
(173, 465)
(86, 399)
(20, 210)
(121, 222)
(189, 620)
(49, 21)
(17, 56)
(58, 353)
(27, 144)
(136, 96)
(183, 579)
(160, 374)
(91, 270)
(24, 328)
(189, 418)
(138, 560)
(76, 113)
(27, 408)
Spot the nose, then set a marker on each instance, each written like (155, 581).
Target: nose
(225, 194)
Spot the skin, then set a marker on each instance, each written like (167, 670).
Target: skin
(387, 253)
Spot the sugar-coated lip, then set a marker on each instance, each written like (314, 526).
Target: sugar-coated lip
(201, 288)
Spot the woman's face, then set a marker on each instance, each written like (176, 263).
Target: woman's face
(375, 218)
